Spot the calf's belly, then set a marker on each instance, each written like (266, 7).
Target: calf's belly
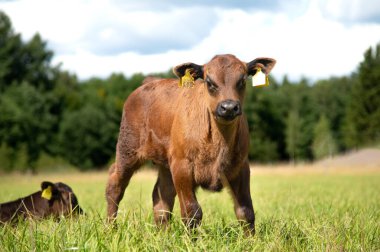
(210, 178)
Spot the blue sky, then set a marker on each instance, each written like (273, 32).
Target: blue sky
(309, 38)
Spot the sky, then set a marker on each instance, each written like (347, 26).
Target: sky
(314, 39)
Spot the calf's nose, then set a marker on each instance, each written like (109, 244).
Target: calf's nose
(228, 109)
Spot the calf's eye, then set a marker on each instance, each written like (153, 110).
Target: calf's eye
(212, 88)
(241, 85)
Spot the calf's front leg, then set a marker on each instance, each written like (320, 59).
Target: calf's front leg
(240, 190)
(191, 211)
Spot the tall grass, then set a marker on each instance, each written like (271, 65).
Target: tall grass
(294, 211)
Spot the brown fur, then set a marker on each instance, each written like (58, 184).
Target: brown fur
(180, 130)
(63, 202)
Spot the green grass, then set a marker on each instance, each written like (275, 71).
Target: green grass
(295, 211)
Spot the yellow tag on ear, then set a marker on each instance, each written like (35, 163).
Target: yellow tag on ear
(260, 79)
(187, 80)
(46, 193)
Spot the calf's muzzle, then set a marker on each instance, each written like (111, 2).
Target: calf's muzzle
(228, 109)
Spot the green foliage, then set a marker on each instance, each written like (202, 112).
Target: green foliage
(299, 116)
(28, 119)
(34, 65)
(306, 108)
(86, 137)
(21, 62)
(364, 109)
(25, 121)
(323, 144)
(293, 132)
(265, 122)
(10, 50)
(331, 98)
(89, 127)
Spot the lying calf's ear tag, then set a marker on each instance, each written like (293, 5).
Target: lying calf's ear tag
(260, 79)
(187, 80)
(46, 193)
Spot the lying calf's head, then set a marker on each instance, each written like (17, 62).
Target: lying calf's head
(61, 199)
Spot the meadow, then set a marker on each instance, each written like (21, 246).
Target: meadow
(296, 209)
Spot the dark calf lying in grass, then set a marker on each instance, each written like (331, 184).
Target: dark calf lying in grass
(53, 200)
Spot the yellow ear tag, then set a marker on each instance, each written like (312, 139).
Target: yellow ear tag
(187, 80)
(46, 193)
(260, 79)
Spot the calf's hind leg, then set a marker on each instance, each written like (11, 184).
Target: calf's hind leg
(118, 180)
(120, 173)
(163, 196)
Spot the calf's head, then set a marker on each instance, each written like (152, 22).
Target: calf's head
(225, 77)
(62, 200)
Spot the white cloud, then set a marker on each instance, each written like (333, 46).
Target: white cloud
(53, 19)
(104, 28)
(149, 32)
(98, 38)
(353, 10)
(308, 45)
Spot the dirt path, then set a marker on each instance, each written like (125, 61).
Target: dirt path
(362, 161)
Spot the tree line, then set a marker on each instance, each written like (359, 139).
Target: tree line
(45, 110)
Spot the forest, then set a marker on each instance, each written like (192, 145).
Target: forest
(46, 111)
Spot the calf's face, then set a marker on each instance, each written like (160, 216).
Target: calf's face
(225, 80)
(62, 200)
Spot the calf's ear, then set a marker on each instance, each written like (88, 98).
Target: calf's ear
(266, 65)
(46, 184)
(48, 190)
(196, 71)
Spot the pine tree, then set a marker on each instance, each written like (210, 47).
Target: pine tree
(364, 110)
(293, 132)
(10, 48)
(323, 142)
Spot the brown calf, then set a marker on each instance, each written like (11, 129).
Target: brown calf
(196, 136)
(53, 200)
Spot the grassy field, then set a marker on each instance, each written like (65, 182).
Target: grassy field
(296, 209)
